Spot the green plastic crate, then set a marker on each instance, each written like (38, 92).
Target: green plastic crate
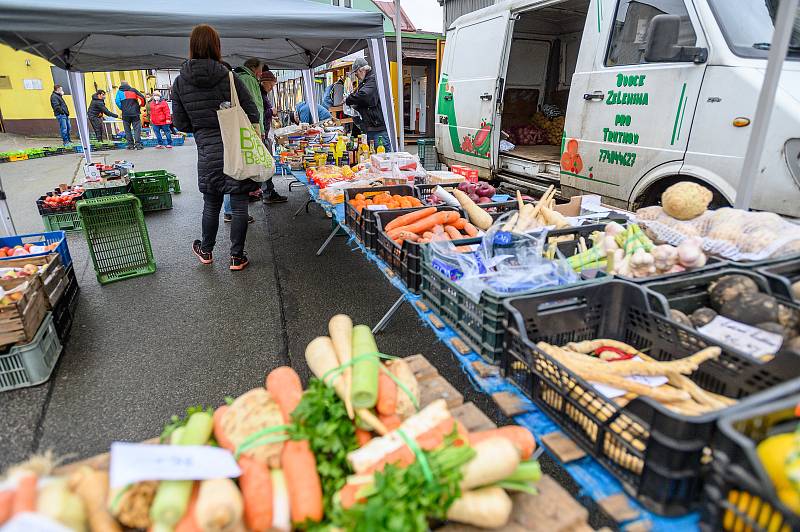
(175, 185)
(155, 184)
(426, 151)
(91, 193)
(117, 237)
(32, 363)
(151, 173)
(155, 202)
(63, 221)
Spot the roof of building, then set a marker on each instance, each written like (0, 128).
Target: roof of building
(387, 7)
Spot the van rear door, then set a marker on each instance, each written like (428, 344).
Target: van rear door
(470, 88)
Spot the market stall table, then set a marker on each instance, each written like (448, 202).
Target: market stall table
(594, 481)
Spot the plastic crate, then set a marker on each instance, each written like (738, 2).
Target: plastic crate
(479, 323)
(18, 157)
(64, 309)
(32, 363)
(781, 276)
(425, 191)
(117, 237)
(404, 260)
(155, 202)
(363, 225)
(175, 185)
(91, 193)
(150, 184)
(46, 238)
(739, 494)
(660, 457)
(149, 143)
(44, 208)
(426, 151)
(65, 221)
(178, 140)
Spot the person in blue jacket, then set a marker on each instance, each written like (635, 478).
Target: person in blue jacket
(302, 113)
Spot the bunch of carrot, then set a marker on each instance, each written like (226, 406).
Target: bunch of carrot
(429, 224)
(362, 201)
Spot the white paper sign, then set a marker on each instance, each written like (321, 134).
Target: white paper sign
(377, 208)
(26, 522)
(611, 392)
(750, 340)
(135, 462)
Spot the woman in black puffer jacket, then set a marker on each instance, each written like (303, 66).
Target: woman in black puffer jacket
(196, 96)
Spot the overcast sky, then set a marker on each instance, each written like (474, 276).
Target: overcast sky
(426, 14)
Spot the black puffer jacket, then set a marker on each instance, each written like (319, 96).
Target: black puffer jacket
(196, 95)
(98, 108)
(368, 104)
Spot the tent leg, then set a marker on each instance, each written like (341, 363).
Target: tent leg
(308, 94)
(380, 64)
(5, 213)
(389, 315)
(328, 240)
(79, 98)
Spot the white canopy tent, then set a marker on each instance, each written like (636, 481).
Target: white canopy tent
(84, 36)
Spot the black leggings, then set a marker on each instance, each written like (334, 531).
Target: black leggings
(212, 203)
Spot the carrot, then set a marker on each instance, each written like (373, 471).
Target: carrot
(6, 502)
(391, 422)
(362, 436)
(459, 224)
(284, 385)
(404, 456)
(427, 234)
(406, 235)
(25, 498)
(256, 486)
(387, 395)
(439, 218)
(470, 229)
(188, 522)
(409, 218)
(302, 481)
(519, 436)
(438, 229)
(423, 240)
(453, 233)
(348, 495)
(219, 432)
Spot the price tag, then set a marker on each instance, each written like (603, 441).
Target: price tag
(750, 340)
(377, 208)
(612, 392)
(135, 462)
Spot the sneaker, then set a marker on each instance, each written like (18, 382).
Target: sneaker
(239, 263)
(204, 256)
(139, 147)
(227, 218)
(275, 198)
(169, 146)
(159, 147)
(129, 148)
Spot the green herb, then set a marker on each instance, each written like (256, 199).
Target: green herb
(177, 421)
(402, 499)
(321, 419)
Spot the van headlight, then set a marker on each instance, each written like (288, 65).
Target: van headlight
(792, 151)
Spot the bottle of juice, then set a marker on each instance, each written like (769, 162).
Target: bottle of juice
(340, 148)
(380, 148)
(371, 147)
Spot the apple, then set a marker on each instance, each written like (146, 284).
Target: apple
(30, 268)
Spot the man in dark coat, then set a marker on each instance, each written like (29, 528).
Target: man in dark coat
(367, 102)
(97, 109)
(130, 101)
(196, 96)
(61, 112)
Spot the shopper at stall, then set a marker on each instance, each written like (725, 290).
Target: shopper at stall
(61, 112)
(367, 102)
(302, 113)
(203, 85)
(268, 81)
(160, 120)
(97, 109)
(130, 101)
(250, 74)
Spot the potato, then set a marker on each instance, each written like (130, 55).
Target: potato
(686, 200)
(730, 287)
(796, 289)
(702, 316)
(789, 317)
(793, 344)
(681, 318)
(751, 308)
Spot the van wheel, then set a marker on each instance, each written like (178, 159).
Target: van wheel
(652, 195)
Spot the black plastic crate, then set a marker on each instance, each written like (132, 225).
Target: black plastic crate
(55, 209)
(660, 457)
(763, 262)
(363, 225)
(780, 277)
(739, 495)
(404, 260)
(64, 310)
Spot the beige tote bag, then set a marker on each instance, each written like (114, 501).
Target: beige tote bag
(246, 157)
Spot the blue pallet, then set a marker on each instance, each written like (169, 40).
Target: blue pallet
(178, 141)
(49, 237)
(149, 143)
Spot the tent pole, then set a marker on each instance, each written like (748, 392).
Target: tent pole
(784, 20)
(380, 63)
(308, 93)
(79, 99)
(398, 36)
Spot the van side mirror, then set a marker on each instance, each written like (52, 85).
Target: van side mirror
(662, 43)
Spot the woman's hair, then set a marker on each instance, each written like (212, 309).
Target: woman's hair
(204, 43)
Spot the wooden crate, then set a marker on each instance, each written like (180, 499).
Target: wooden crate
(53, 279)
(20, 320)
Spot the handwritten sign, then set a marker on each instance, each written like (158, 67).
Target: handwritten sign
(135, 462)
(612, 392)
(750, 340)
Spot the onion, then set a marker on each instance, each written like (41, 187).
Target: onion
(473, 197)
(485, 190)
(466, 187)
(483, 199)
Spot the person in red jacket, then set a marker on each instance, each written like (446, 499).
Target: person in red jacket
(160, 119)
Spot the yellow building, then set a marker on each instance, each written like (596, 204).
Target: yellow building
(26, 83)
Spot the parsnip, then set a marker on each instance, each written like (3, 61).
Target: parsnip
(485, 507)
(321, 359)
(219, 506)
(401, 370)
(495, 459)
(340, 328)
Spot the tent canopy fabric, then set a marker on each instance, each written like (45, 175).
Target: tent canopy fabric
(89, 36)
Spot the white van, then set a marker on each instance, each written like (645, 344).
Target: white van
(654, 91)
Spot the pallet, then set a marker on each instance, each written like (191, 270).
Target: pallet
(552, 510)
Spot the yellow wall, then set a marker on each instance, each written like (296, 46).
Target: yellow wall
(18, 103)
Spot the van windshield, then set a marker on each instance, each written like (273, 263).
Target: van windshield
(748, 26)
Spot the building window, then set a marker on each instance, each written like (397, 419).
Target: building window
(342, 3)
(60, 78)
(629, 33)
